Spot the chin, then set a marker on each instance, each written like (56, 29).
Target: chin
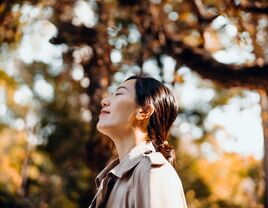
(102, 128)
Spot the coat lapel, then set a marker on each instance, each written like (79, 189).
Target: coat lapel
(119, 169)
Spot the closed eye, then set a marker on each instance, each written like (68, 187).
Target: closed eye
(118, 94)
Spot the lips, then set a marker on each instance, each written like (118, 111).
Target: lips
(103, 111)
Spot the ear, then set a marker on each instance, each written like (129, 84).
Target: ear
(144, 112)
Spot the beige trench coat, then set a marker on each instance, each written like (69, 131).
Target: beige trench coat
(144, 179)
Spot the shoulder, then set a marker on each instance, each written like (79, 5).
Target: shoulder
(158, 177)
(150, 160)
(165, 186)
(162, 173)
(157, 167)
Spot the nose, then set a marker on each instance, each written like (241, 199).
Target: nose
(105, 102)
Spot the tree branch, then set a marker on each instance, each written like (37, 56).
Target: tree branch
(73, 35)
(254, 7)
(202, 15)
(7, 5)
(129, 2)
(199, 60)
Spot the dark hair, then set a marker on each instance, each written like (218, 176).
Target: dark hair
(152, 91)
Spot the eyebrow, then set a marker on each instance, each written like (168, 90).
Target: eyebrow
(122, 87)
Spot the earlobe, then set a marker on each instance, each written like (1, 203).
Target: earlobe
(139, 114)
(144, 113)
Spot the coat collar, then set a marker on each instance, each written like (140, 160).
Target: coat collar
(128, 162)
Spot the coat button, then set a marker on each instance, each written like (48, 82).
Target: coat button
(148, 152)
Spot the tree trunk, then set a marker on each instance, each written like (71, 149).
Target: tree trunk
(264, 106)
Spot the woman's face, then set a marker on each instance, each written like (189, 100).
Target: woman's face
(118, 110)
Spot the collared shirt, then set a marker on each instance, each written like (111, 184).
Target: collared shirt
(144, 179)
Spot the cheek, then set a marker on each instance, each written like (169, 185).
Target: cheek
(125, 112)
(121, 116)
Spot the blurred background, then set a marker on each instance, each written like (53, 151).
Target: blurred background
(58, 59)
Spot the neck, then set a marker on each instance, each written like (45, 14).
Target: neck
(124, 143)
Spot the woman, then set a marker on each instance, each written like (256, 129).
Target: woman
(137, 117)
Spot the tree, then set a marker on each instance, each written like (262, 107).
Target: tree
(126, 35)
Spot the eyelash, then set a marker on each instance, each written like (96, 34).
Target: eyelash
(118, 94)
